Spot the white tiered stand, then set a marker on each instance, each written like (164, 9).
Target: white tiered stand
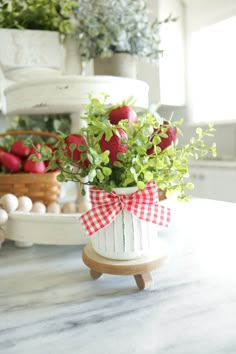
(62, 94)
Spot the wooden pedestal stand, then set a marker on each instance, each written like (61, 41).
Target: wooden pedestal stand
(140, 268)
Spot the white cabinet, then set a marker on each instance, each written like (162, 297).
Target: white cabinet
(214, 182)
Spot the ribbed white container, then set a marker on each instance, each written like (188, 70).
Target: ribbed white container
(127, 237)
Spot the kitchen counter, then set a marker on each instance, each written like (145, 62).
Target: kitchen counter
(50, 305)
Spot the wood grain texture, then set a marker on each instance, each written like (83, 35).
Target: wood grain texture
(95, 275)
(132, 267)
(144, 280)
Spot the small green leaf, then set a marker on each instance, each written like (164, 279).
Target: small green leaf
(82, 147)
(108, 134)
(199, 131)
(118, 164)
(140, 185)
(120, 156)
(156, 140)
(92, 175)
(148, 176)
(99, 175)
(72, 147)
(61, 178)
(106, 171)
(141, 150)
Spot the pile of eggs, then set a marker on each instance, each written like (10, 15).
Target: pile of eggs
(9, 203)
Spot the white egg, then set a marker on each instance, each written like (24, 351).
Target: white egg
(38, 207)
(69, 208)
(3, 216)
(83, 207)
(23, 244)
(25, 204)
(54, 208)
(9, 202)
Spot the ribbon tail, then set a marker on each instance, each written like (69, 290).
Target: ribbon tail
(99, 217)
(154, 213)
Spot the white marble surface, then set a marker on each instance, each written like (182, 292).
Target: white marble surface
(50, 305)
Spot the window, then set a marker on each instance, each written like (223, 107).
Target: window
(212, 73)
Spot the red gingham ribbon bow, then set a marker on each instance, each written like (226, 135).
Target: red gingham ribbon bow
(106, 206)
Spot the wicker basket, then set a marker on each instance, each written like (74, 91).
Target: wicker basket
(39, 187)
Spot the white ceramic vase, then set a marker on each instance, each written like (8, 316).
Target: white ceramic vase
(127, 237)
(30, 54)
(120, 64)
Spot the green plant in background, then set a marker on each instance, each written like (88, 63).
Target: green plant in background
(105, 27)
(53, 15)
(47, 123)
(119, 148)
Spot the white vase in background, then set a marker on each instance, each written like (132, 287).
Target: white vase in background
(30, 54)
(120, 64)
(73, 64)
(127, 237)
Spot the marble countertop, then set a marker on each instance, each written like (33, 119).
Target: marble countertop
(50, 305)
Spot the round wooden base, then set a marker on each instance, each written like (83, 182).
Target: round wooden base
(140, 268)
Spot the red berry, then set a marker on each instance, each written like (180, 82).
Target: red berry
(165, 142)
(31, 166)
(76, 154)
(18, 148)
(114, 145)
(10, 161)
(124, 112)
(1, 150)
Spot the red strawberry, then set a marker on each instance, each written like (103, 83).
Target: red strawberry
(18, 148)
(124, 112)
(10, 161)
(165, 142)
(34, 166)
(76, 154)
(114, 145)
(2, 150)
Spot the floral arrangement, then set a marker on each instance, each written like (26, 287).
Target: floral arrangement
(121, 147)
(103, 28)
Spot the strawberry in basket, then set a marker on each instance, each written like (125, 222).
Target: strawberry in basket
(11, 162)
(20, 149)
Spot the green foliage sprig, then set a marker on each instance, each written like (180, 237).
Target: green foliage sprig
(168, 168)
(42, 122)
(117, 26)
(54, 15)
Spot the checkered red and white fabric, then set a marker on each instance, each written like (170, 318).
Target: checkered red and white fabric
(106, 206)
